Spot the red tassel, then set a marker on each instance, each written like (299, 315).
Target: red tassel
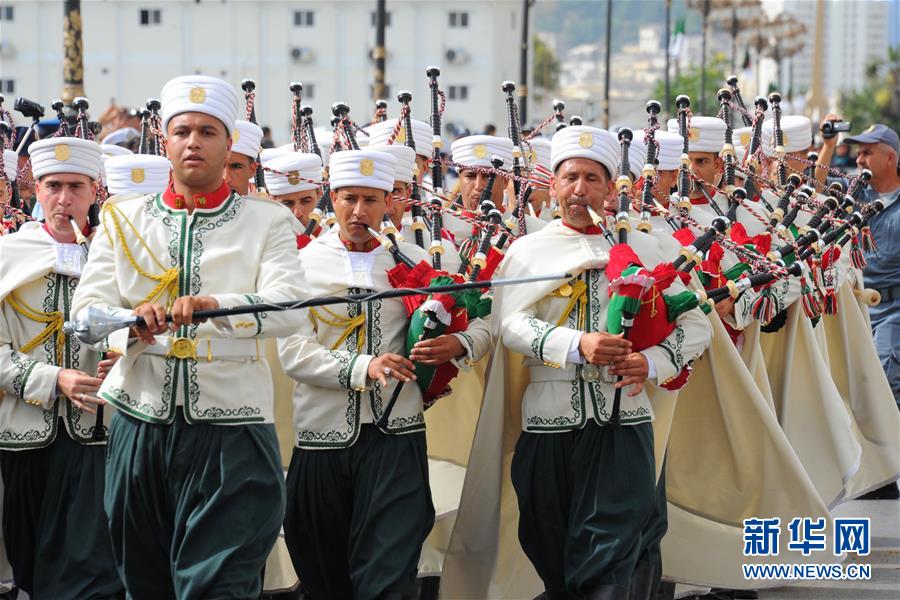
(811, 306)
(868, 242)
(303, 241)
(763, 309)
(857, 258)
(831, 303)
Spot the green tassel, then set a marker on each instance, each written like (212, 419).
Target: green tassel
(678, 304)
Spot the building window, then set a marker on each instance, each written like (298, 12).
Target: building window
(8, 86)
(459, 19)
(387, 18)
(150, 16)
(458, 92)
(304, 18)
(309, 91)
(6, 13)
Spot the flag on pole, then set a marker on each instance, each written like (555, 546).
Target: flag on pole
(677, 44)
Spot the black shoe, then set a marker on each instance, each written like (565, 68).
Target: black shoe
(887, 492)
(746, 594)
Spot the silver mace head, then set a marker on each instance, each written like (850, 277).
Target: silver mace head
(96, 325)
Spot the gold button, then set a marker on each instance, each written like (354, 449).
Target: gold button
(201, 200)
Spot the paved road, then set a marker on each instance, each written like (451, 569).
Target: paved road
(885, 560)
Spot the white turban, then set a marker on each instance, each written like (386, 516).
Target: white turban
(379, 133)
(66, 155)
(581, 141)
(477, 150)
(268, 154)
(705, 134)
(114, 150)
(363, 168)
(10, 164)
(199, 93)
(539, 152)
(797, 134)
(405, 157)
(137, 174)
(304, 173)
(246, 138)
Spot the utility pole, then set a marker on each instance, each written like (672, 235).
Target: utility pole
(668, 56)
(73, 56)
(608, 63)
(379, 53)
(523, 64)
(705, 26)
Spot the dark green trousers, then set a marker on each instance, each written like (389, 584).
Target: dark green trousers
(54, 526)
(649, 564)
(584, 497)
(357, 517)
(194, 510)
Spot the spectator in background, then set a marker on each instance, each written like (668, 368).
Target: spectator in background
(843, 159)
(490, 129)
(879, 148)
(267, 141)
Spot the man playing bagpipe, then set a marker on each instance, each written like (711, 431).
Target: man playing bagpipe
(194, 487)
(409, 173)
(295, 180)
(583, 468)
(52, 442)
(476, 152)
(242, 160)
(359, 504)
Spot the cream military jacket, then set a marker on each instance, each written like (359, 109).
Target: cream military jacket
(329, 354)
(38, 277)
(542, 321)
(240, 251)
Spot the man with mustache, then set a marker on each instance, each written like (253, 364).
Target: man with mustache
(194, 486)
(585, 484)
(51, 453)
(359, 504)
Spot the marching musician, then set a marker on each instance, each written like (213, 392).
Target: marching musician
(585, 486)
(295, 180)
(51, 446)
(194, 488)
(242, 160)
(359, 504)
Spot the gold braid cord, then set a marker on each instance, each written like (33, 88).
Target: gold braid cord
(167, 281)
(54, 326)
(350, 324)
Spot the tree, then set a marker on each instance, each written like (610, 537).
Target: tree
(688, 83)
(545, 68)
(879, 99)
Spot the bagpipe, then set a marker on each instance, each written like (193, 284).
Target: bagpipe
(303, 137)
(248, 85)
(434, 314)
(12, 217)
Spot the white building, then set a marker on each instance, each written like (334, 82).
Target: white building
(855, 33)
(132, 47)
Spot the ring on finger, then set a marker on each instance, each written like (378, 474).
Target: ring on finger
(387, 371)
